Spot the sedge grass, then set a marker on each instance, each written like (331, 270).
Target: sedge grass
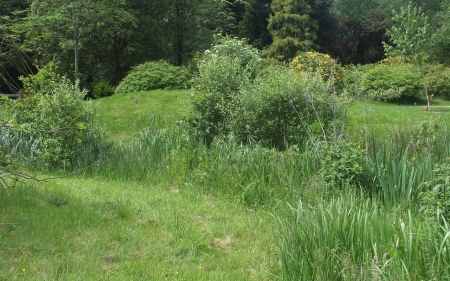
(348, 237)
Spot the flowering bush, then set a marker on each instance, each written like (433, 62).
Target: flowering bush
(318, 63)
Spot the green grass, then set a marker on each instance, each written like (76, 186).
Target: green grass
(159, 206)
(382, 119)
(89, 229)
(123, 115)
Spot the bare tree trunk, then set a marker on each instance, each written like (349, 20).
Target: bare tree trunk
(425, 87)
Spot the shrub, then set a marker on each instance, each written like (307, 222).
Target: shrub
(223, 71)
(437, 78)
(342, 163)
(102, 89)
(435, 201)
(280, 109)
(393, 82)
(321, 64)
(154, 75)
(54, 115)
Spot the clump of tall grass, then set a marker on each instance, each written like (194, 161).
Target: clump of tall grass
(351, 238)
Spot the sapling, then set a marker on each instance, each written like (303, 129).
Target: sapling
(410, 39)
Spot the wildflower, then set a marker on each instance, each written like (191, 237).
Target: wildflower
(200, 268)
(23, 269)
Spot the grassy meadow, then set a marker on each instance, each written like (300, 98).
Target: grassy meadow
(158, 206)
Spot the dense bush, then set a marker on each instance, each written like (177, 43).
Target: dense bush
(102, 89)
(392, 82)
(343, 163)
(318, 63)
(281, 109)
(223, 71)
(53, 114)
(154, 75)
(437, 78)
(275, 106)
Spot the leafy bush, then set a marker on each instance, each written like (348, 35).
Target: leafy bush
(223, 71)
(54, 114)
(392, 82)
(321, 64)
(280, 109)
(342, 163)
(436, 200)
(437, 78)
(154, 75)
(102, 89)
(235, 95)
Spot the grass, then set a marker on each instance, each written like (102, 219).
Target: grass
(123, 115)
(90, 229)
(159, 206)
(382, 119)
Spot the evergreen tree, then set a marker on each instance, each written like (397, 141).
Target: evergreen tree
(254, 24)
(292, 28)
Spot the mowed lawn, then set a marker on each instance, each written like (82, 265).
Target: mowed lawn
(382, 119)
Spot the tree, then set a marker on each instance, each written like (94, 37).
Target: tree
(292, 28)
(254, 24)
(410, 38)
(441, 37)
(13, 62)
(192, 24)
(57, 26)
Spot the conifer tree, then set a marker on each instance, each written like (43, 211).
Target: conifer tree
(292, 28)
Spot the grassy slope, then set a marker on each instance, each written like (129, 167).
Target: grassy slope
(88, 229)
(123, 115)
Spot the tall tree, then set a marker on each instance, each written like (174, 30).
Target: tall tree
(292, 28)
(360, 27)
(13, 62)
(410, 38)
(57, 26)
(193, 23)
(254, 24)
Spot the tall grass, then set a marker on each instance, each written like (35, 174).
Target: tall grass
(351, 238)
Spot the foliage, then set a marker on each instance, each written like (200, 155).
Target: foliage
(386, 82)
(437, 77)
(281, 109)
(254, 24)
(321, 64)
(349, 237)
(224, 70)
(435, 201)
(153, 75)
(343, 163)
(102, 89)
(55, 114)
(69, 21)
(292, 29)
(411, 37)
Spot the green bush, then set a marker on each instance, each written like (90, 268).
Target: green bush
(392, 82)
(342, 163)
(281, 109)
(154, 75)
(102, 89)
(437, 78)
(54, 114)
(223, 71)
(234, 95)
